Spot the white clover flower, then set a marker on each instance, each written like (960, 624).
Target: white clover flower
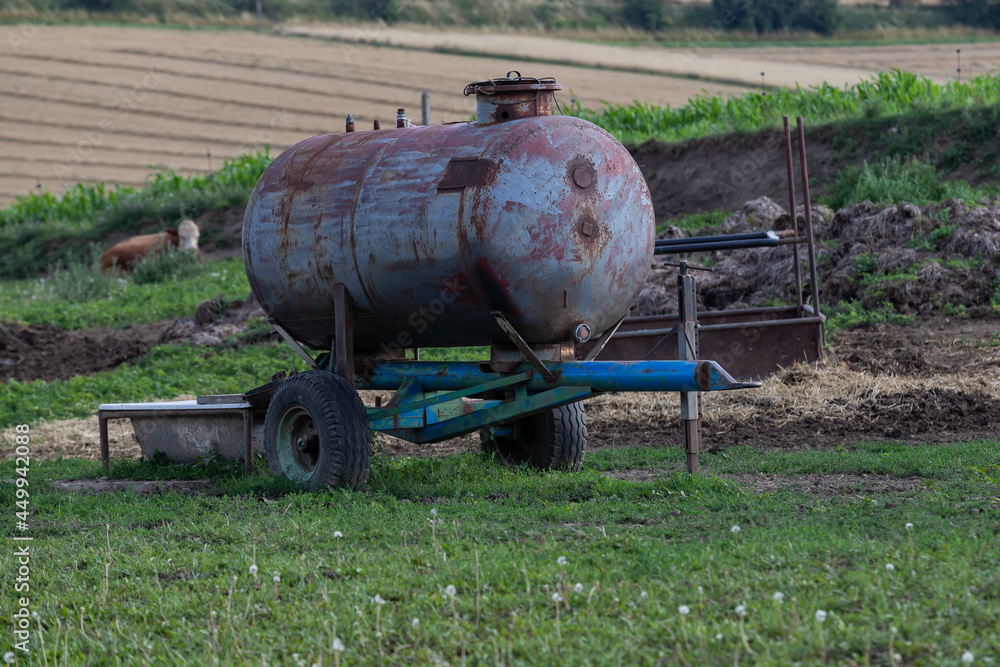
(338, 645)
(338, 534)
(276, 578)
(253, 570)
(820, 615)
(450, 591)
(741, 610)
(434, 511)
(889, 567)
(778, 596)
(908, 526)
(556, 598)
(683, 610)
(578, 588)
(8, 657)
(415, 622)
(561, 560)
(734, 530)
(967, 658)
(378, 599)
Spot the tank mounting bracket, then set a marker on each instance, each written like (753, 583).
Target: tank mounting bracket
(526, 350)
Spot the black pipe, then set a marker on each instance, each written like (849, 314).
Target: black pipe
(676, 249)
(722, 237)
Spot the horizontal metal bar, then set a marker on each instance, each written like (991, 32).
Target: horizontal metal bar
(709, 314)
(642, 333)
(729, 326)
(676, 249)
(598, 375)
(717, 238)
(444, 398)
(514, 409)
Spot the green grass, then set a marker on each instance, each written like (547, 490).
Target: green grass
(895, 179)
(39, 230)
(167, 580)
(884, 94)
(167, 371)
(850, 314)
(78, 297)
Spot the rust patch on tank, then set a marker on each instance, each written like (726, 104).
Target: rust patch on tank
(493, 288)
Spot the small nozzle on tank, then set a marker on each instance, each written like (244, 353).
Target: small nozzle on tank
(582, 333)
(401, 119)
(376, 125)
(350, 123)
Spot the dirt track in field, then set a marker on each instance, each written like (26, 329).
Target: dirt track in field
(783, 66)
(84, 103)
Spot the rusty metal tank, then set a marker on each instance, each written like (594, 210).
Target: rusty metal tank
(544, 218)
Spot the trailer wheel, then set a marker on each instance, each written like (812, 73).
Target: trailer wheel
(316, 432)
(555, 439)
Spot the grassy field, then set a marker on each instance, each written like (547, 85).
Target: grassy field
(464, 561)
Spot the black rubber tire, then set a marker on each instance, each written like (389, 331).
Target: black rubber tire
(552, 440)
(326, 414)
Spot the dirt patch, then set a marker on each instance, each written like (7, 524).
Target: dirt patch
(45, 352)
(942, 258)
(140, 487)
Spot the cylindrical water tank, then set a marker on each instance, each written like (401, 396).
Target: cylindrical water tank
(544, 218)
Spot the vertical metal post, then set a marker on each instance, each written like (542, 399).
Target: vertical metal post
(425, 108)
(795, 218)
(248, 439)
(376, 125)
(102, 428)
(343, 343)
(349, 125)
(811, 247)
(687, 346)
(260, 15)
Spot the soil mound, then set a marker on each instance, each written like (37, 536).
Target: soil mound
(942, 258)
(46, 352)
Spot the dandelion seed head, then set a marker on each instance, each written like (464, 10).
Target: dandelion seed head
(556, 597)
(889, 567)
(967, 658)
(734, 530)
(908, 526)
(253, 570)
(683, 610)
(778, 596)
(415, 622)
(8, 657)
(578, 588)
(643, 595)
(378, 599)
(741, 610)
(561, 560)
(276, 578)
(718, 637)
(338, 645)
(820, 615)
(450, 591)
(434, 511)
(338, 534)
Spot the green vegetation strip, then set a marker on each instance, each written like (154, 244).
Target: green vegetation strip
(461, 560)
(884, 94)
(80, 297)
(166, 372)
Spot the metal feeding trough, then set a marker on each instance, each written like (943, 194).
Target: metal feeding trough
(522, 231)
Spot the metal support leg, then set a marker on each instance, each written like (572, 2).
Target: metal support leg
(687, 344)
(102, 427)
(343, 315)
(248, 440)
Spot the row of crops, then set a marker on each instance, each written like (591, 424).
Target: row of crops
(884, 94)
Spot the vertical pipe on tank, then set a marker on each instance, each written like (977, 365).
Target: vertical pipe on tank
(376, 125)
(350, 123)
(425, 108)
(401, 119)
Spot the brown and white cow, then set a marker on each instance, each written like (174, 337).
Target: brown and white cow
(125, 254)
